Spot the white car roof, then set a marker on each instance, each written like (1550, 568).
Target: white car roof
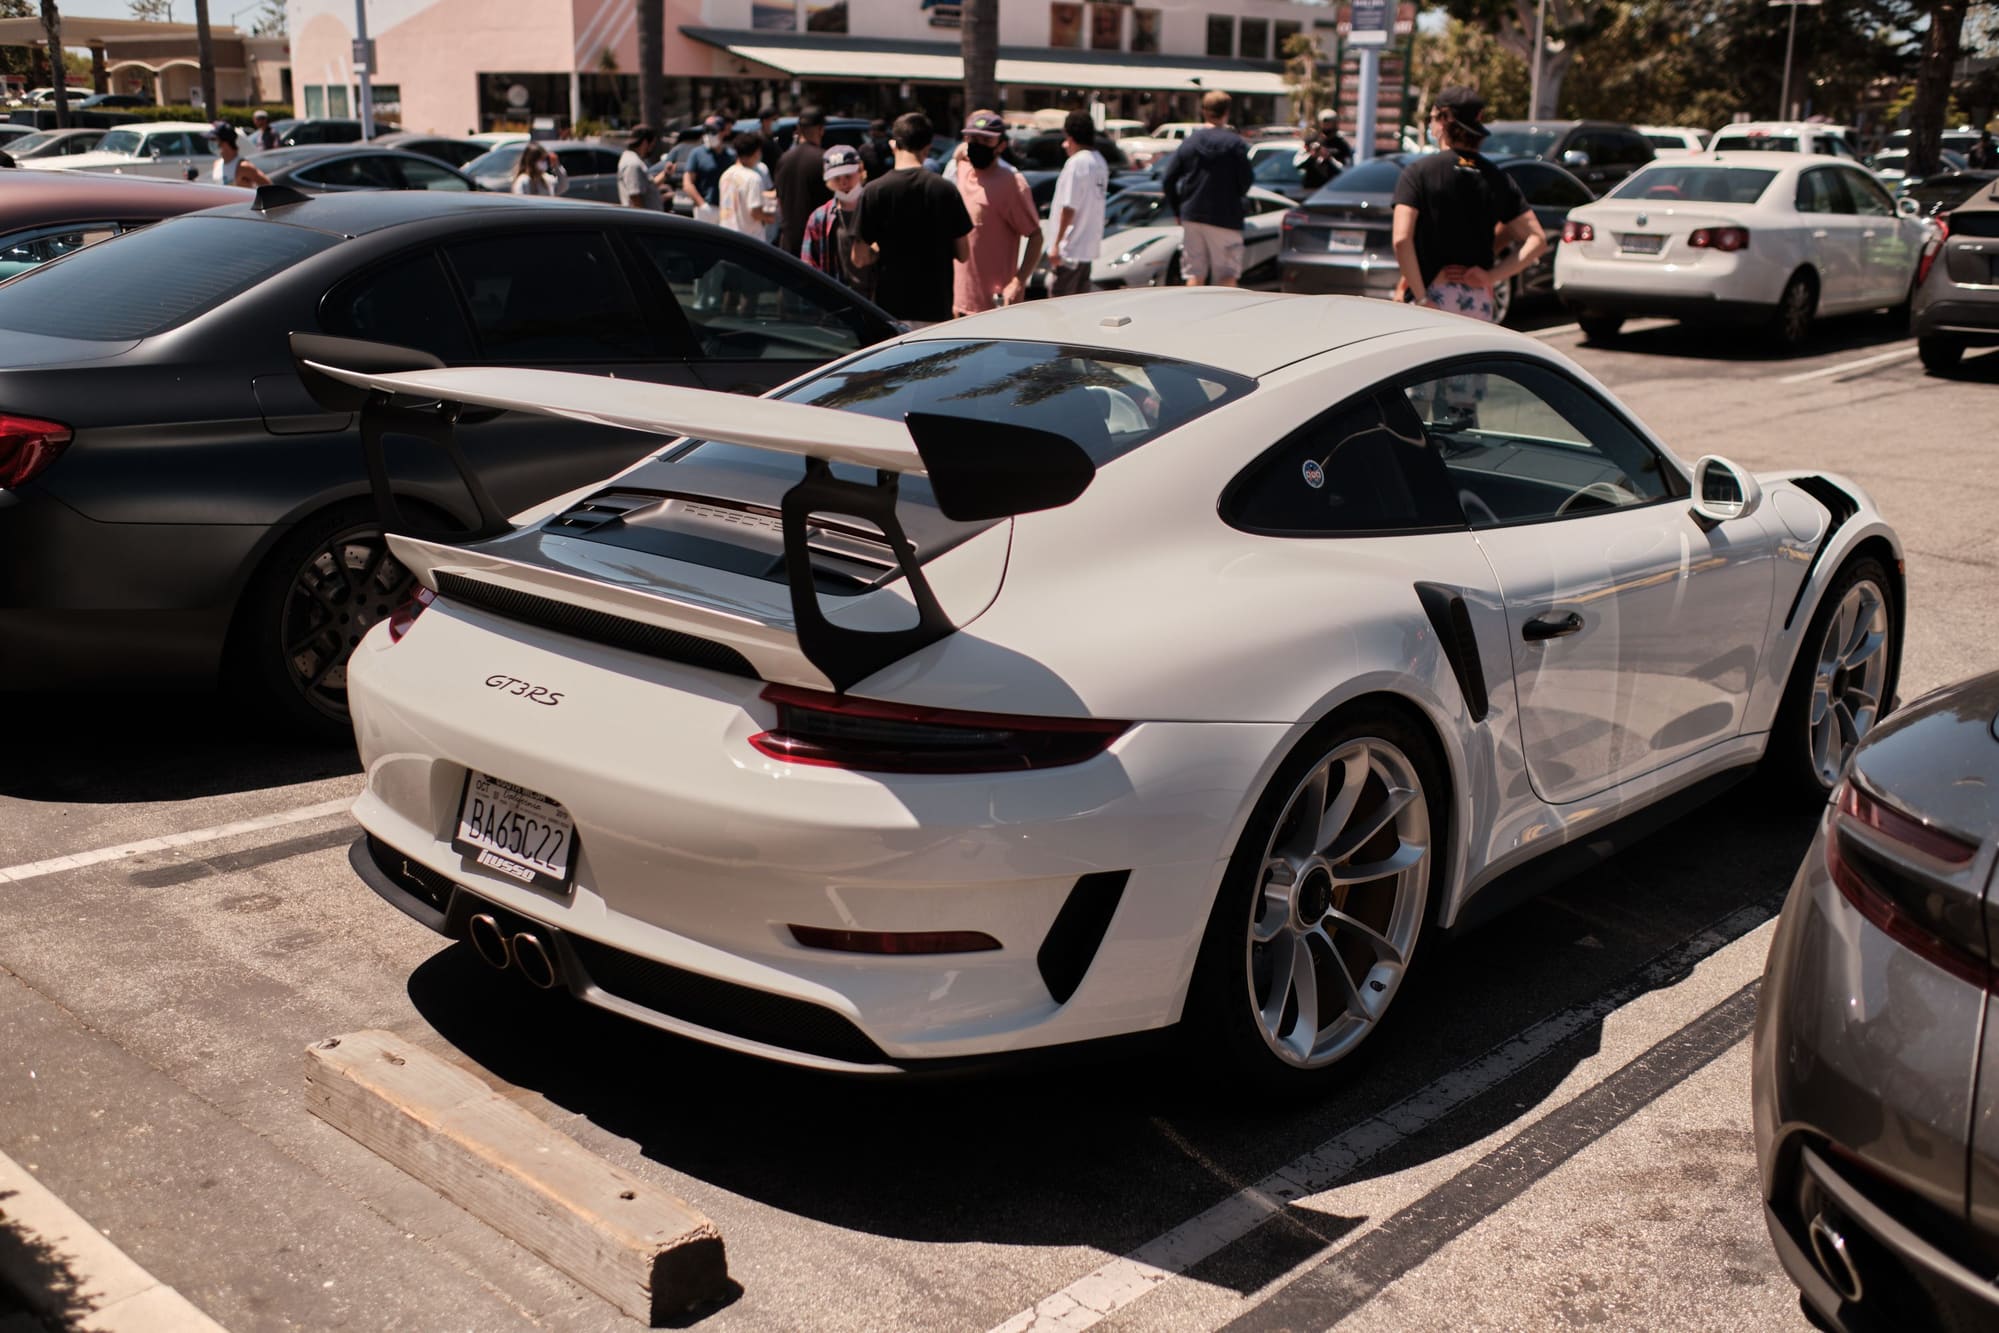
(1230, 328)
(179, 126)
(1752, 157)
(1784, 127)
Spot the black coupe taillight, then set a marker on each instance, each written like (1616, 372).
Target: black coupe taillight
(1880, 872)
(27, 446)
(869, 735)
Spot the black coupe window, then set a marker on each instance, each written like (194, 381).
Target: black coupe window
(552, 297)
(152, 280)
(409, 304)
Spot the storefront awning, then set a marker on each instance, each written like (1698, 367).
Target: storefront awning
(813, 56)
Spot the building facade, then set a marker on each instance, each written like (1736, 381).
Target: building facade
(465, 66)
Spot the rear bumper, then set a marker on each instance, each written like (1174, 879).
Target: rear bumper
(1644, 305)
(1976, 321)
(1326, 276)
(695, 853)
(1741, 287)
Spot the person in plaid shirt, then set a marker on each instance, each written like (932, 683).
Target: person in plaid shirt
(833, 225)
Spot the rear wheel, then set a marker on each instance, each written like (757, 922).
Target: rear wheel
(325, 585)
(1839, 683)
(1940, 354)
(1796, 310)
(1324, 904)
(1599, 328)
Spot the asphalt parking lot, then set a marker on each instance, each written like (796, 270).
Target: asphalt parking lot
(1552, 1133)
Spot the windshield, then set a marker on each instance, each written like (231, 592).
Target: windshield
(1108, 402)
(121, 141)
(28, 143)
(146, 282)
(1522, 141)
(1755, 143)
(1133, 209)
(1696, 184)
(1276, 166)
(499, 162)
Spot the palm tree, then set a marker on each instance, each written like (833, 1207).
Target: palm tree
(58, 67)
(652, 60)
(206, 46)
(979, 35)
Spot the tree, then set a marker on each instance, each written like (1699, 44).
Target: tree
(271, 20)
(978, 37)
(1310, 89)
(205, 48)
(153, 11)
(58, 74)
(652, 60)
(1940, 47)
(1468, 55)
(1569, 24)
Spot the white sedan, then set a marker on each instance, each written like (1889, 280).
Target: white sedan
(1083, 669)
(176, 150)
(1773, 238)
(1142, 246)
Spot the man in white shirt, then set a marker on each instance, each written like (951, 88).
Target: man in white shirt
(1078, 207)
(741, 193)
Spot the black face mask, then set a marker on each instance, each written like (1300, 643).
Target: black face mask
(981, 155)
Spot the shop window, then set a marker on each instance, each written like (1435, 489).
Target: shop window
(826, 18)
(774, 16)
(1281, 33)
(336, 101)
(315, 101)
(1221, 35)
(1145, 31)
(1065, 25)
(1106, 28)
(1255, 39)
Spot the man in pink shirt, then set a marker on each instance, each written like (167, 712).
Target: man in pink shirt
(1002, 211)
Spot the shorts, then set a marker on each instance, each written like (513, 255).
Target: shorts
(1210, 254)
(1457, 298)
(1070, 279)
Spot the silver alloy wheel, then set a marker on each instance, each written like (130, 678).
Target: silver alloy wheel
(342, 590)
(1341, 895)
(1502, 299)
(1852, 672)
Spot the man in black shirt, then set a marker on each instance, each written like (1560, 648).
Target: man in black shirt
(1204, 182)
(912, 226)
(800, 179)
(1450, 207)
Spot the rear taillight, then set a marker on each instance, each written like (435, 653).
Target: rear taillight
(1727, 239)
(27, 447)
(1296, 217)
(405, 615)
(1932, 250)
(1875, 854)
(839, 731)
(1578, 231)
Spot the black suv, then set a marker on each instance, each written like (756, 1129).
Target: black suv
(1599, 153)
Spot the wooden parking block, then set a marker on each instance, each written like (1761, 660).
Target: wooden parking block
(632, 1243)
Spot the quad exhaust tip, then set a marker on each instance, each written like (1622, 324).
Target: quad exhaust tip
(532, 958)
(1835, 1259)
(487, 941)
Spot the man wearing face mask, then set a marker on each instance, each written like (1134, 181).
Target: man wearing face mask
(830, 231)
(703, 181)
(1003, 215)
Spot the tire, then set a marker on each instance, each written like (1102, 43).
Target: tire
(1791, 322)
(1600, 328)
(1174, 276)
(1805, 756)
(321, 588)
(1239, 979)
(1940, 353)
(1504, 298)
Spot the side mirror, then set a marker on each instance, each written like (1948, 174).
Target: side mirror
(1575, 158)
(1723, 491)
(1908, 207)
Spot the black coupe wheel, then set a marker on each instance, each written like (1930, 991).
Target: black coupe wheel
(324, 587)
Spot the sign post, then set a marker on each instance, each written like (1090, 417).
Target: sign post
(1790, 41)
(364, 66)
(1368, 32)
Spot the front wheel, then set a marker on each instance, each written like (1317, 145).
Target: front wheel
(1324, 904)
(1839, 684)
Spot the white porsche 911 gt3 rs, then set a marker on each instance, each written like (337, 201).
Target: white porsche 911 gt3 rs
(1079, 669)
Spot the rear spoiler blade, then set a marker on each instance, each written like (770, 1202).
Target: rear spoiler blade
(978, 470)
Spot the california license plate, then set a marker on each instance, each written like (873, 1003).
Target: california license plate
(515, 832)
(1637, 243)
(1347, 242)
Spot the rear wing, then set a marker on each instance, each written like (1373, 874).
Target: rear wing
(978, 470)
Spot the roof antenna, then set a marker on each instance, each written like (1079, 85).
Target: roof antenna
(277, 196)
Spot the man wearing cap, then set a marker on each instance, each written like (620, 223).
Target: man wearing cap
(702, 182)
(801, 179)
(1204, 182)
(262, 137)
(830, 231)
(1003, 215)
(230, 168)
(1449, 205)
(638, 180)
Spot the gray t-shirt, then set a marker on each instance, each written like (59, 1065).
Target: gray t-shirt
(635, 181)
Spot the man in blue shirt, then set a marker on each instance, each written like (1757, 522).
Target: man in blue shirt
(1205, 180)
(705, 166)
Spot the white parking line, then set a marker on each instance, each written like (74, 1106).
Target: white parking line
(1557, 331)
(1102, 1293)
(1829, 372)
(14, 874)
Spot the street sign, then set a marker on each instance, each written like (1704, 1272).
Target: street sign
(364, 55)
(1372, 23)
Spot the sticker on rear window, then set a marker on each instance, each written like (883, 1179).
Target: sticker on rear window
(1315, 476)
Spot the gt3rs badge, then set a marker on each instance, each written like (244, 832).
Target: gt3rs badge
(1315, 476)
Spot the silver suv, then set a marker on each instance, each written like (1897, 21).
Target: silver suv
(1956, 304)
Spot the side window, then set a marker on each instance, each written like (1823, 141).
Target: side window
(354, 173)
(410, 304)
(1546, 187)
(27, 250)
(1596, 147)
(591, 163)
(1869, 199)
(1819, 191)
(741, 306)
(1637, 150)
(1521, 444)
(421, 175)
(551, 296)
(1366, 466)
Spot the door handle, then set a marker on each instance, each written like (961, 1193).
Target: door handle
(1534, 631)
(1819, 235)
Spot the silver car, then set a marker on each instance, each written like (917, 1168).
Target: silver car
(1956, 304)
(1876, 1059)
(592, 168)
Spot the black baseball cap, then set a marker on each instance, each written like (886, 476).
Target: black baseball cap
(1467, 108)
